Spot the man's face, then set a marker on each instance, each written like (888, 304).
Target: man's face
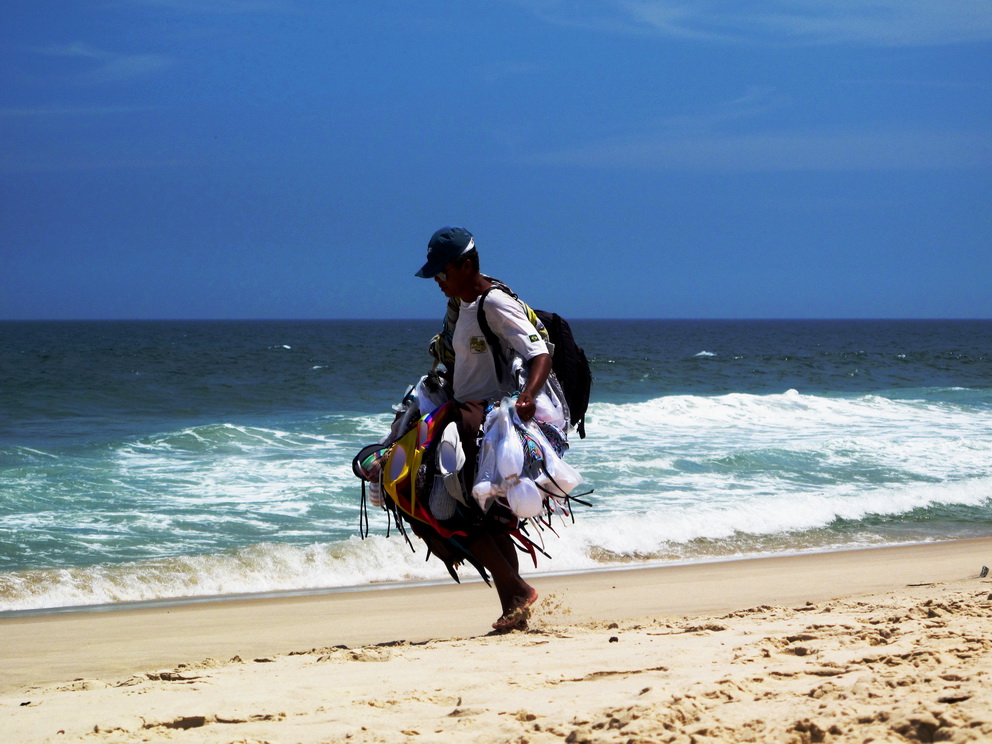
(451, 279)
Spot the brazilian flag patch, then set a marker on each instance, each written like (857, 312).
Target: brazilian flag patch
(534, 338)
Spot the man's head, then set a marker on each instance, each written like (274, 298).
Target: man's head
(449, 245)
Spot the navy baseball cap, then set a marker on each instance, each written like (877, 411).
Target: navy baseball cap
(445, 246)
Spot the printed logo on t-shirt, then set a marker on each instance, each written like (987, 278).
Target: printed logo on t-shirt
(477, 345)
(534, 338)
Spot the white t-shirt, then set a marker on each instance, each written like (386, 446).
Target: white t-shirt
(475, 373)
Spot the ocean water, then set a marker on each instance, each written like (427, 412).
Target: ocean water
(165, 460)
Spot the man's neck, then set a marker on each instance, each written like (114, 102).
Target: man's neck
(476, 287)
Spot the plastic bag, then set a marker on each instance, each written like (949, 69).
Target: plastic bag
(505, 470)
(559, 478)
(510, 452)
(522, 495)
(546, 410)
(430, 393)
(486, 487)
(548, 407)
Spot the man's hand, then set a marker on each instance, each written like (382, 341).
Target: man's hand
(540, 368)
(526, 407)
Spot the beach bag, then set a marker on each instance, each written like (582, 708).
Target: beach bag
(409, 472)
(568, 359)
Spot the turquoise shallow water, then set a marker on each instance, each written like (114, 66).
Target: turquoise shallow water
(155, 460)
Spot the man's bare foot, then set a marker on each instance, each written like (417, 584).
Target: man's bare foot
(516, 619)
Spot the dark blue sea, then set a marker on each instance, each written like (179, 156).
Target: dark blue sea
(161, 460)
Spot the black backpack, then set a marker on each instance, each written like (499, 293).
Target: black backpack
(569, 362)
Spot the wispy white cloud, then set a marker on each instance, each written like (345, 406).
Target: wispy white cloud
(677, 149)
(756, 101)
(40, 163)
(738, 136)
(494, 72)
(98, 66)
(223, 6)
(25, 112)
(793, 22)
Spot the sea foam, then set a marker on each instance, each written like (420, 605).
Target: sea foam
(224, 509)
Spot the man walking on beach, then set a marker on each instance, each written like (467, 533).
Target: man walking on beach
(476, 380)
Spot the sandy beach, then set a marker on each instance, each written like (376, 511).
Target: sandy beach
(885, 645)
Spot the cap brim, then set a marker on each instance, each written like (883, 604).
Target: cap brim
(429, 270)
(437, 264)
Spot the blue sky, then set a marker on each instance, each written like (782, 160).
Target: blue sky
(614, 158)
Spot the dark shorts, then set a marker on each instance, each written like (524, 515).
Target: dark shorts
(470, 417)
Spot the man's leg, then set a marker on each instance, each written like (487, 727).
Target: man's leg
(493, 549)
(471, 414)
(515, 594)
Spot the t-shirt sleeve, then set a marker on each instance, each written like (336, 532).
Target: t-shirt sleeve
(509, 322)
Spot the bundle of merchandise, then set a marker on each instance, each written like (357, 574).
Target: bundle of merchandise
(521, 464)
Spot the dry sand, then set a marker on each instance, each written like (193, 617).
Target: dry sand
(884, 645)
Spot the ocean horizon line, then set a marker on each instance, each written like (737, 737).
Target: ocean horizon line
(670, 319)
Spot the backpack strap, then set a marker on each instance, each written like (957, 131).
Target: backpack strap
(441, 346)
(491, 338)
(499, 359)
